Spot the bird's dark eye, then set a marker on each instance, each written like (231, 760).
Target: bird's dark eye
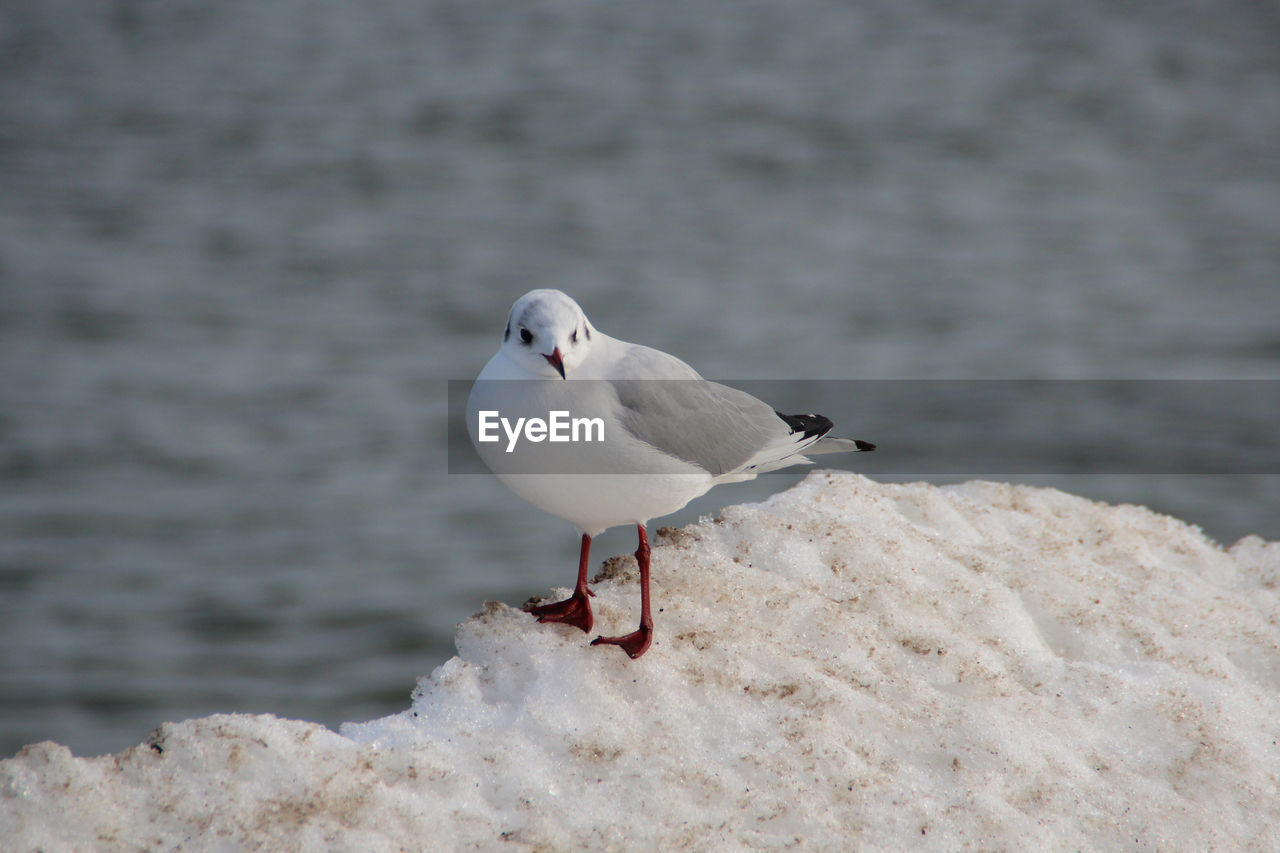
(573, 338)
(526, 336)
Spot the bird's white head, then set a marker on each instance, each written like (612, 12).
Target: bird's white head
(547, 333)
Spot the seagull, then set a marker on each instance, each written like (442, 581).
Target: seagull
(654, 435)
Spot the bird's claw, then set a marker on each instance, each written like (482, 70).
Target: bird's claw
(574, 610)
(634, 644)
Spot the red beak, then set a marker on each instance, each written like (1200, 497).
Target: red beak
(556, 361)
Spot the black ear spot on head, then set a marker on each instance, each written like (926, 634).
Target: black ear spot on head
(586, 330)
(507, 333)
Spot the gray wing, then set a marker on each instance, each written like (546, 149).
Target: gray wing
(718, 428)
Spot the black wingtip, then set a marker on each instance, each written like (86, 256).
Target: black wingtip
(813, 426)
(810, 425)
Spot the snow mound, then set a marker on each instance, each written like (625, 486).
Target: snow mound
(846, 664)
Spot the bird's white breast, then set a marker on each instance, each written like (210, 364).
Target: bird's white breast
(592, 484)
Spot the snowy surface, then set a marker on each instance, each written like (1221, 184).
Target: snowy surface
(848, 663)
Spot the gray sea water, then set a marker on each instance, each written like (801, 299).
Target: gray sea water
(244, 246)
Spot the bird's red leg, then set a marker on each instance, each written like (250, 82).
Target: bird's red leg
(637, 642)
(576, 609)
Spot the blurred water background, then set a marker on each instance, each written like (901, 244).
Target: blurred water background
(243, 247)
